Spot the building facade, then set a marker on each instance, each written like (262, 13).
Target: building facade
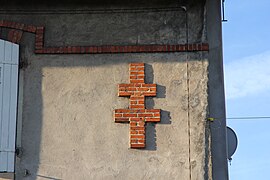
(72, 56)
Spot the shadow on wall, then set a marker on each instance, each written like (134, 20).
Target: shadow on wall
(27, 162)
(150, 103)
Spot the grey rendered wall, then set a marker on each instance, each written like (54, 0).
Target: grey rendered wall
(67, 126)
(216, 92)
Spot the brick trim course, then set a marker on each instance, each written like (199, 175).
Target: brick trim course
(17, 30)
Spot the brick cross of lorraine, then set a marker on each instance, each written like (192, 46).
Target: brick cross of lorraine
(137, 115)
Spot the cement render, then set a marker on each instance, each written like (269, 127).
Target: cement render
(79, 139)
(216, 92)
(71, 110)
(68, 130)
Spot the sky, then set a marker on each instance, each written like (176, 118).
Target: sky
(246, 54)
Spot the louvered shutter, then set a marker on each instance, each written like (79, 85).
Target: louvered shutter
(9, 58)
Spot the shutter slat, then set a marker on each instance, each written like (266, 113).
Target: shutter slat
(6, 105)
(3, 160)
(2, 48)
(13, 105)
(2, 154)
(8, 52)
(15, 54)
(5, 111)
(11, 161)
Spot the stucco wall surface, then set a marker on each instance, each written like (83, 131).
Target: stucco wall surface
(69, 106)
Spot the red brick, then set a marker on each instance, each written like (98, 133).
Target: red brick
(137, 106)
(141, 141)
(73, 49)
(199, 47)
(134, 132)
(129, 49)
(136, 64)
(173, 48)
(122, 110)
(129, 115)
(137, 136)
(90, 49)
(141, 132)
(136, 72)
(39, 43)
(82, 50)
(69, 49)
(141, 123)
(133, 102)
(137, 97)
(205, 47)
(190, 47)
(137, 93)
(136, 84)
(137, 110)
(137, 128)
(133, 77)
(140, 77)
(145, 115)
(143, 89)
(136, 81)
(99, 49)
(193, 47)
(65, 50)
(95, 49)
(149, 85)
(133, 141)
(168, 48)
(136, 119)
(140, 102)
(113, 49)
(30, 28)
(118, 115)
(131, 89)
(124, 85)
(122, 88)
(137, 145)
(154, 48)
(132, 124)
(123, 93)
(156, 115)
(136, 68)
(121, 120)
(78, 49)
(152, 119)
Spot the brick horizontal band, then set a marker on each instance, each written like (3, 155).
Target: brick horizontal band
(40, 48)
(122, 49)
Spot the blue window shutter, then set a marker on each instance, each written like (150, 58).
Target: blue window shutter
(9, 58)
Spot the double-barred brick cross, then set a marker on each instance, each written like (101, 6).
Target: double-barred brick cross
(137, 115)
